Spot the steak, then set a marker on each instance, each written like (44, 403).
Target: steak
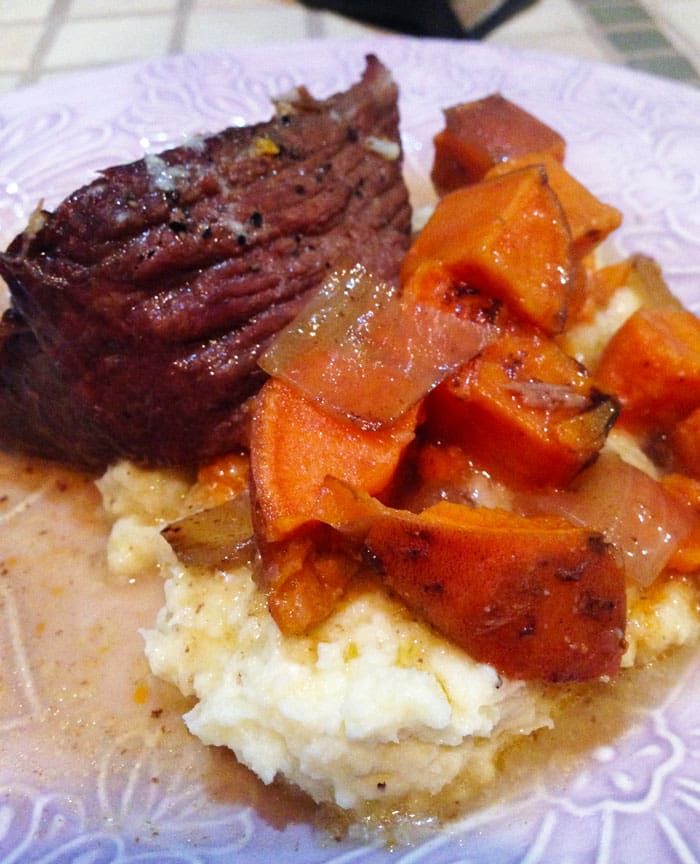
(140, 305)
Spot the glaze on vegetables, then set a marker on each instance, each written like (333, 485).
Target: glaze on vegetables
(475, 489)
(484, 133)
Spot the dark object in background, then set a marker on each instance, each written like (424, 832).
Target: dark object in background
(470, 19)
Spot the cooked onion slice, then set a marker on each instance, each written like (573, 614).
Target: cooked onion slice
(648, 281)
(628, 507)
(363, 351)
(216, 537)
(548, 396)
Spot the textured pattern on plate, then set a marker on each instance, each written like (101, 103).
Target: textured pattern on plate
(636, 800)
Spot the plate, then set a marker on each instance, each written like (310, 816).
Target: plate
(137, 796)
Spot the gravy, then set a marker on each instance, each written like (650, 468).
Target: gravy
(81, 715)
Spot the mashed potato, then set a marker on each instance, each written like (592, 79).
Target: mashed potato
(375, 705)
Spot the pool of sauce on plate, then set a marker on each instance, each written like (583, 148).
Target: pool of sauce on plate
(80, 714)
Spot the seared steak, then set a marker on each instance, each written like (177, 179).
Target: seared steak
(141, 304)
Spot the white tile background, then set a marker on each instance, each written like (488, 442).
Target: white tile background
(41, 38)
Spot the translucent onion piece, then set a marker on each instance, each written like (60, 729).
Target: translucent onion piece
(220, 536)
(648, 282)
(628, 507)
(542, 394)
(464, 484)
(363, 352)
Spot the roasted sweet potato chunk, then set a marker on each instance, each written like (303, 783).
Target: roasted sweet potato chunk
(524, 410)
(596, 286)
(307, 576)
(538, 598)
(685, 442)
(223, 478)
(590, 220)
(686, 559)
(507, 237)
(295, 444)
(652, 364)
(483, 133)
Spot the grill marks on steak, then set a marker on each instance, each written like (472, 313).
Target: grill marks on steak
(153, 289)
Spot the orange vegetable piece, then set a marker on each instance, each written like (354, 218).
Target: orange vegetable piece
(538, 598)
(224, 478)
(652, 364)
(685, 489)
(295, 444)
(219, 481)
(598, 286)
(507, 237)
(523, 410)
(432, 285)
(482, 133)
(639, 273)
(441, 464)
(590, 220)
(444, 472)
(308, 575)
(685, 443)
(686, 558)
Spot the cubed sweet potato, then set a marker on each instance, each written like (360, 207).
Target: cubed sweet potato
(295, 444)
(523, 410)
(433, 285)
(506, 237)
(596, 287)
(652, 364)
(483, 133)
(685, 444)
(686, 559)
(536, 597)
(307, 575)
(224, 478)
(590, 220)
(683, 488)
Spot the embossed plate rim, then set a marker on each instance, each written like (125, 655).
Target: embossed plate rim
(56, 134)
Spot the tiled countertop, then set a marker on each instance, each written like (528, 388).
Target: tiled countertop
(42, 38)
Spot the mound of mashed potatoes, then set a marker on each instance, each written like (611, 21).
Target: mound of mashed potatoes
(374, 706)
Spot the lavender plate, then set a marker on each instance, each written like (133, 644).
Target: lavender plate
(92, 768)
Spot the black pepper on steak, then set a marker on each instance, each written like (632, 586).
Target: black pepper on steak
(143, 301)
